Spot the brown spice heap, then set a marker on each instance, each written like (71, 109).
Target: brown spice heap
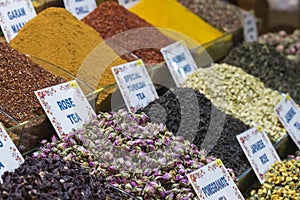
(56, 36)
(110, 19)
(19, 78)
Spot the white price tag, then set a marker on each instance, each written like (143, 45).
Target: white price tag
(213, 182)
(289, 115)
(249, 27)
(66, 106)
(14, 14)
(10, 158)
(128, 3)
(80, 8)
(179, 61)
(259, 151)
(135, 85)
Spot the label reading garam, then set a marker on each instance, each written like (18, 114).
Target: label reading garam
(14, 15)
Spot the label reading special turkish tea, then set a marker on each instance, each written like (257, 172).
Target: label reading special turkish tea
(289, 115)
(66, 106)
(259, 151)
(213, 182)
(135, 85)
(80, 8)
(179, 61)
(10, 158)
(14, 14)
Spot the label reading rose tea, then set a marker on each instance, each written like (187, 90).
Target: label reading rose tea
(10, 158)
(213, 182)
(14, 15)
(66, 106)
(135, 85)
(259, 151)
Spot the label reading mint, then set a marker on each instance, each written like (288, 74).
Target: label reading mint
(213, 182)
(128, 3)
(80, 8)
(10, 158)
(14, 15)
(179, 61)
(135, 85)
(289, 115)
(249, 27)
(66, 106)
(259, 151)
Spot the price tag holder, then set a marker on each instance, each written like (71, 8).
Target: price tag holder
(213, 182)
(14, 15)
(80, 8)
(128, 3)
(66, 106)
(135, 85)
(259, 151)
(289, 115)
(179, 61)
(10, 158)
(249, 27)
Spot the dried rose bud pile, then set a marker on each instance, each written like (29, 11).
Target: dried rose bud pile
(142, 158)
(54, 179)
(289, 44)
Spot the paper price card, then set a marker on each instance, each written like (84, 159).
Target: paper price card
(213, 182)
(289, 115)
(10, 158)
(135, 85)
(80, 8)
(179, 61)
(14, 14)
(259, 151)
(66, 106)
(128, 3)
(249, 27)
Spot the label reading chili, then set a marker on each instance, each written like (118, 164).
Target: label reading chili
(128, 3)
(80, 8)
